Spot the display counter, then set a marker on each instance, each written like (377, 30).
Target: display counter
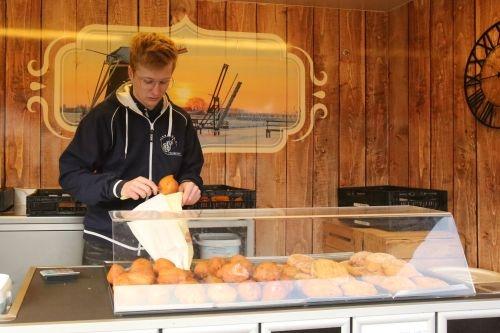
(85, 305)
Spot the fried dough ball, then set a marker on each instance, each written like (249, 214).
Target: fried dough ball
(356, 270)
(221, 293)
(358, 288)
(190, 293)
(201, 269)
(141, 265)
(358, 259)
(399, 267)
(300, 261)
(134, 278)
(275, 290)
(173, 276)
(373, 279)
(374, 261)
(426, 282)
(162, 263)
(121, 280)
(244, 261)
(168, 185)
(212, 279)
(141, 277)
(396, 283)
(288, 272)
(328, 269)
(114, 271)
(266, 271)
(249, 291)
(234, 272)
(214, 264)
(320, 288)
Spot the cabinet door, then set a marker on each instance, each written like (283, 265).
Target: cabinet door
(478, 321)
(338, 325)
(239, 328)
(410, 323)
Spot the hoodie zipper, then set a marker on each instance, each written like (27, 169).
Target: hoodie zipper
(151, 138)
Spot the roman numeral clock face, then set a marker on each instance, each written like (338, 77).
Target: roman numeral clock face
(482, 78)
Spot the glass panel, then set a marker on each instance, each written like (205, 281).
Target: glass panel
(367, 254)
(477, 325)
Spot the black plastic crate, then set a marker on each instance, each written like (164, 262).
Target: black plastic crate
(393, 196)
(225, 197)
(53, 202)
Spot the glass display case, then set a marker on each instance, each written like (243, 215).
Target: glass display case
(166, 280)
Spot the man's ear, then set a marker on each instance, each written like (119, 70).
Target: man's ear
(130, 73)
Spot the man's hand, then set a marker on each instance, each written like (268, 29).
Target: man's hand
(139, 187)
(191, 193)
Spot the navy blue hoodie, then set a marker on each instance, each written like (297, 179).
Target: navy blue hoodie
(115, 142)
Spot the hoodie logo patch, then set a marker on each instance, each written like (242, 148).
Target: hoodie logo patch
(169, 145)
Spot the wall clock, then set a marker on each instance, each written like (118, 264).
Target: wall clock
(482, 78)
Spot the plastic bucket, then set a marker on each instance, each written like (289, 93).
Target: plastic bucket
(218, 244)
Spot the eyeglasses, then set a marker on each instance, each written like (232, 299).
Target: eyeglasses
(149, 83)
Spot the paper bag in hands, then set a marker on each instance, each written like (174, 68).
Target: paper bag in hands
(168, 239)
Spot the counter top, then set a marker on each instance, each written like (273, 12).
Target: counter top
(17, 215)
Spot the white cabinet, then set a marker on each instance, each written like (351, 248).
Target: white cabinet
(239, 328)
(481, 321)
(342, 325)
(408, 323)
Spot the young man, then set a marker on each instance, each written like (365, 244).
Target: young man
(127, 143)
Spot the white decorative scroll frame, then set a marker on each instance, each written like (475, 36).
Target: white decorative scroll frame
(185, 33)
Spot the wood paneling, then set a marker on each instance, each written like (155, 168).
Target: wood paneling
(419, 94)
(22, 127)
(442, 97)
(2, 94)
(352, 98)
(464, 134)
(398, 97)
(488, 164)
(326, 131)
(212, 15)
(271, 168)
(300, 153)
(122, 12)
(377, 92)
(180, 8)
(154, 13)
(58, 15)
(396, 108)
(241, 168)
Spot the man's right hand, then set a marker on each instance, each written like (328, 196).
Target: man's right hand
(138, 188)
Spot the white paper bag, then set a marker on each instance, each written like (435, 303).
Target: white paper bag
(168, 239)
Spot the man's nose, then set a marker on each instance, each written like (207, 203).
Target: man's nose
(157, 89)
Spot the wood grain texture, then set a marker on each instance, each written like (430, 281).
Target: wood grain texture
(241, 168)
(326, 131)
(442, 97)
(464, 134)
(22, 151)
(182, 8)
(352, 98)
(122, 12)
(488, 164)
(377, 92)
(300, 153)
(398, 96)
(419, 94)
(212, 16)
(57, 15)
(271, 168)
(91, 12)
(2, 93)
(154, 13)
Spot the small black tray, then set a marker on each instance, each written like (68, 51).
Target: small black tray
(53, 202)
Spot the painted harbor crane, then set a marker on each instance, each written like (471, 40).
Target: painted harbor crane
(214, 118)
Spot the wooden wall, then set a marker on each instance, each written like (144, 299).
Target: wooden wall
(396, 108)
